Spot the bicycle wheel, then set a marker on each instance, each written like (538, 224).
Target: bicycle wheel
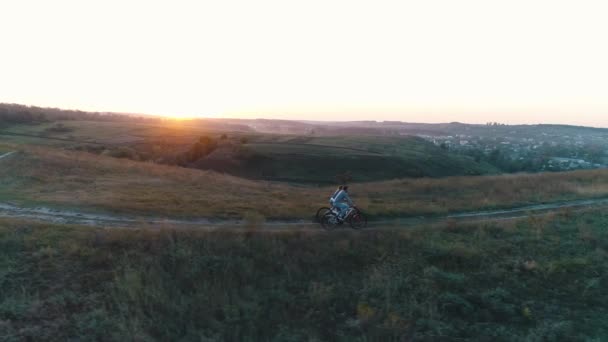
(329, 221)
(321, 212)
(358, 220)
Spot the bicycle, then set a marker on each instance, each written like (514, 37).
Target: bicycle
(354, 217)
(321, 212)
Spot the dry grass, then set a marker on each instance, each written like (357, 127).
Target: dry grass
(468, 193)
(77, 179)
(70, 178)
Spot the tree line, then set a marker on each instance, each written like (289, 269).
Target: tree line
(21, 114)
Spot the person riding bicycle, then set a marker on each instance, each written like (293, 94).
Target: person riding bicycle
(332, 198)
(342, 202)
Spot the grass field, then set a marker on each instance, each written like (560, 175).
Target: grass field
(290, 158)
(60, 178)
(540, 278)
(367, 158)
(103, 132)
(537, 279)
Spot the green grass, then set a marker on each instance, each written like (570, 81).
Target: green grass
(539, 279)
(320, 159)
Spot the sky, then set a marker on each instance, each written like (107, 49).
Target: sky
(533, 61)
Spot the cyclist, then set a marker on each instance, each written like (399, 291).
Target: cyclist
(342, 202)
(331, 199)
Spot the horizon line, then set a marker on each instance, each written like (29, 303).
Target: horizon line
(176, 116)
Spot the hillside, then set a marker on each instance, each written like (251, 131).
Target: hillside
(72, 179)
(320, 160)
(537, 279)
(319, 152)
(251, 155)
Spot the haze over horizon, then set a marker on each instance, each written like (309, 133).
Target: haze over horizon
(472, 61)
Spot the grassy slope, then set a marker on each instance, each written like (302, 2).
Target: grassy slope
(104, 132)
(38, 175)
(540, 279)
(77, 179)
(367, 158)
(277, 157)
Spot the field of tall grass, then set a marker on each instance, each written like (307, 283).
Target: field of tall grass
(61, 178)
(537, 279)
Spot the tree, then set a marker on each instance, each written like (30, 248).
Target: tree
(203, 147)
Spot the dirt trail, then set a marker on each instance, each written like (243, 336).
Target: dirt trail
(51, 215)
(6, 154)
(45, 214)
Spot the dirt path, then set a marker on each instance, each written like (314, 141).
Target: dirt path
(45, 214)
(6, 154)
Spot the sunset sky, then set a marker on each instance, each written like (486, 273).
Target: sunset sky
(418, 61)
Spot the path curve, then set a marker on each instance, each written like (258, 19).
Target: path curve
(6, 154)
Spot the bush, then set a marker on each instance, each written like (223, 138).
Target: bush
(203, 147)
(254, 220)
(122, 152)
(59, 128)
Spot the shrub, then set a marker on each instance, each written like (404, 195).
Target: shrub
(254, 220)
(59, 128)
(203, 147)
(122, 152)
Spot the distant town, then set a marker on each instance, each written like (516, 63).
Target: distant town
(529, 148)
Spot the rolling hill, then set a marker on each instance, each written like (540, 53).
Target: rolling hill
(71, 179)
(291, 158)
(319, 160)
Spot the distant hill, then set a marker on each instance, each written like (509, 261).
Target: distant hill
(313, 151)
(321, 159)
(11, 113)
(17, 113)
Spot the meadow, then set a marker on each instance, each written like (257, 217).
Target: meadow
(78, 180)
(72, 179)
(254, 155)
(536, 279)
